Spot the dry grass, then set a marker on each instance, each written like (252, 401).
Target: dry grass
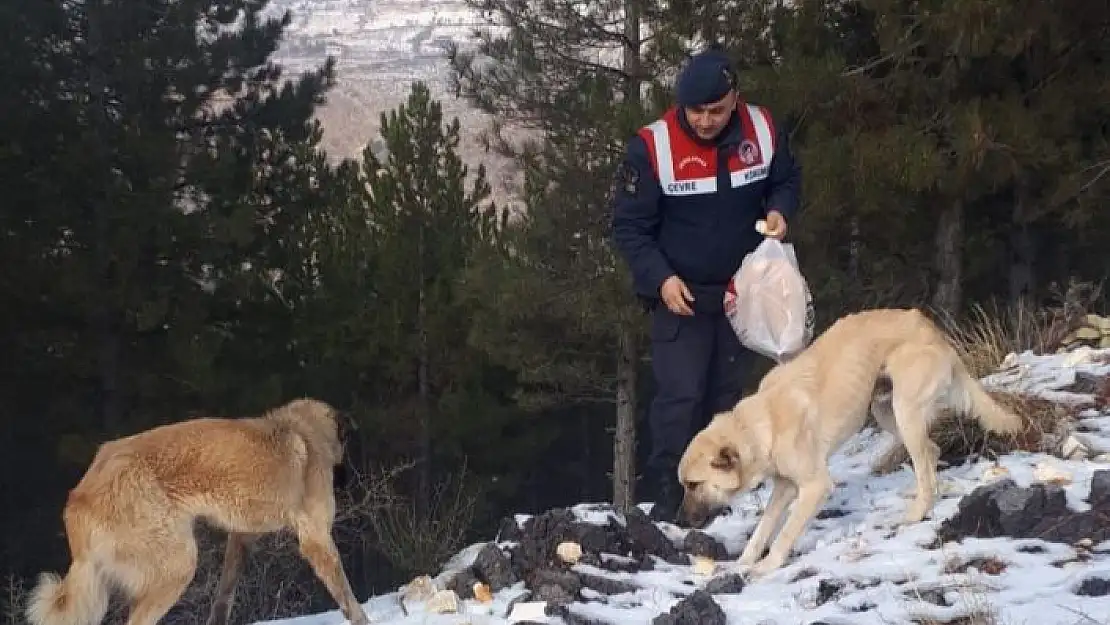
(1043, 423)
(991, 332)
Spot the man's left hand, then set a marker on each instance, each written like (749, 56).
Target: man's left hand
(776, 225)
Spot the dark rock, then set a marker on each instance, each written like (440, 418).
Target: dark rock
(555, 586)
(832, 513)
(698, 608)
(1075, 526)
(1100, 489)
(542, 534)
(698, 543)
(828, 589)
(932, 595)
(1086, 383)
(1039, 511)
(728, 584)
(1094, 587)
(621, 564)
(606, 585)
(463, 583)
(509, 530)
(1003, 509)
(646, 538)
(494, 568)
(591, 559)
(1020, 508)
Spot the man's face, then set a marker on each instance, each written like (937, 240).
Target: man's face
(708, 120)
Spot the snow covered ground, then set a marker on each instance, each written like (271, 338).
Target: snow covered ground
(883, 573)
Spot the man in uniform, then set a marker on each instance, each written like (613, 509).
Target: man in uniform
(688, 194)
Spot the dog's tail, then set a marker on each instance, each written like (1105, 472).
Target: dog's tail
(972, 398)
(81, 597)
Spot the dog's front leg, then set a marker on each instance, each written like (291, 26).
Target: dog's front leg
(782, 493)
(811, 495)
(319, 549)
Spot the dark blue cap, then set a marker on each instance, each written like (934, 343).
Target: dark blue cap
(706, 78)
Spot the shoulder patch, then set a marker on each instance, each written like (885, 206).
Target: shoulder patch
(628, 178)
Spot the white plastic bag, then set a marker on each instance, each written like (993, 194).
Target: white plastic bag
(772, 309)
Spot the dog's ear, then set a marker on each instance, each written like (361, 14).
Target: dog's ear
(727, 459)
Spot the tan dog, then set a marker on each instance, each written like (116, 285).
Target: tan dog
(129, 521)
(806, 408)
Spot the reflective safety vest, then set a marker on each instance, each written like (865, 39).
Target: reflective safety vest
(686, 167)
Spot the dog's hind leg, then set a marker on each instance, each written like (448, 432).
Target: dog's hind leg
(235, 554)
(167, 568)
(882, 409)
(319, 549)
(782, 493)
(917, 390)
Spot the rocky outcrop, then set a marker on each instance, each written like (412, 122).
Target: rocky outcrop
(559, 559)
(1001, 508)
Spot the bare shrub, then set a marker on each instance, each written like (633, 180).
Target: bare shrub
(13, 601)
(419, 542)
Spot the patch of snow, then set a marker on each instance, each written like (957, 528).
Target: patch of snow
(595, 513)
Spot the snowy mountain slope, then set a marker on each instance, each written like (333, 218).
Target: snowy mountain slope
(854, 564)
(382, 47)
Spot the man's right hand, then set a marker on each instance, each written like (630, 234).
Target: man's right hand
(675, 295)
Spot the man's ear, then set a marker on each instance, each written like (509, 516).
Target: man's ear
(727, 459)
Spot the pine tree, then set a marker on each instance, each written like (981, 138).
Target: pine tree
(150, 153)
(169, 127)
(429, 227)
(918, 117)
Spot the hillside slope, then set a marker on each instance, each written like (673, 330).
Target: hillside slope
(1025, 539)
(382, 47)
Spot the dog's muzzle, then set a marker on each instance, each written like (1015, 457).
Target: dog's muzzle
(696, 514)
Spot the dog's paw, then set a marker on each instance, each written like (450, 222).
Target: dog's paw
(763, 568)
(747, 559)
(915, 513)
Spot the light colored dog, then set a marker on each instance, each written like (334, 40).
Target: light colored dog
(804, 409)
(129, 521)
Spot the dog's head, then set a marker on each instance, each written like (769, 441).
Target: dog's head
(712, 471)
(322, 423)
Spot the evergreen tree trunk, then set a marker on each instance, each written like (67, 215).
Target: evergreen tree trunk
(949, 258)
(586, 492)
(1022, 252)
(423, 391)
(853, 250)
(624, 442)
(104, 336)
